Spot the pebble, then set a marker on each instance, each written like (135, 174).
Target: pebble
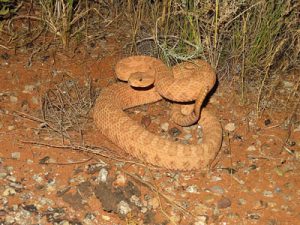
(120, 180)
(201, 209)
(16, 155)
(277, 189)
(188, 136)
(216, 178)
(251, 148)
(242, 201)
(28, 88)
(106, 218)
(175, 218)
(11, 127)
(224, 203)
(136, 200)
(253, 216)
(11, 178)
(3, 175)
(268, 194)
(35, 100)
(37, 178)
(192, 189)
(174, 132)
(153, 203)
(165, 126)
(9, 191)
(146, 121)
(201, 220)
(230, 127)
(9, 219)
(13, 99)
(123, 208)
(216, 189)
(102, 176)
(144, 210)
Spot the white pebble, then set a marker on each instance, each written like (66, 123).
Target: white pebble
(123, 208)
(28, 88)
(164, 126)
(230, 127)
(192, 189)
(251, 148)
(102, 176)
(9, 191)
(16, 155)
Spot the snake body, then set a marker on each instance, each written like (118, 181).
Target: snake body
(186, 82)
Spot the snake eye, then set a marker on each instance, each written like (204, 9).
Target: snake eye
(141, 79)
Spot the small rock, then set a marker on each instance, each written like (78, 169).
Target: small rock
(201, 209)
(253, 216)
(123, 208)
(224, 203)
(153, 203)
(277, 190)
(28, 88)
(15, 155)
(242, 201)
(35, 100)
(11, 127)
(216, 178)
(175, 218)
(102, 176)
(3, 175)
(9, 191)
(9, 219)
(144, 210)
(11, 178)
(230, 127)
(120, 180)
(93, 168)
(188, 136)
(165, 126)
(251, 148)
(37, 178)
(146, 121)
(192, 189)
(267, 122)
(136, 200)
(217, 190)
(29, 161)
(13, 99)
(201, 220)
(106, 218)
(258, 205)
(174, 132)
(64, 222)
(268, 194)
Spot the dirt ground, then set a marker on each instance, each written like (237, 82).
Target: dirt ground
(253, 180)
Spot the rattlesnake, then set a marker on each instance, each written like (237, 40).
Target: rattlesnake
(151, 80)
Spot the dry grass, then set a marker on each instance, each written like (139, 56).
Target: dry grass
(65, 108)
(256, 41)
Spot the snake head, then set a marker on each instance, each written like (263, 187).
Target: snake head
(141, 79)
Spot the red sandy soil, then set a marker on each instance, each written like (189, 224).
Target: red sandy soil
(254, 179)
